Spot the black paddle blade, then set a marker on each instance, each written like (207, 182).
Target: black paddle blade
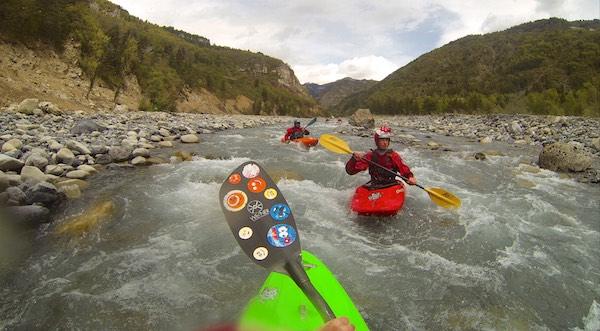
(259, 216)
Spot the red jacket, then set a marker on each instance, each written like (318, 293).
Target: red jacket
(389, 159)
(295, 133)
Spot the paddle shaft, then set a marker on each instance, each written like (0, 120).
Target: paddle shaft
(311, 122)
(298, 274)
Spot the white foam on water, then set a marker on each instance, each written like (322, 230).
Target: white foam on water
(233, 136)
(591, 322)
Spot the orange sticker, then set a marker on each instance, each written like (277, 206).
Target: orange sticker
(235, 200)
(234, 179)
(256, 185)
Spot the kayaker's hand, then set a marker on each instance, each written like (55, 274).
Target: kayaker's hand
(338, 324)
(357, 155)
(412, 180)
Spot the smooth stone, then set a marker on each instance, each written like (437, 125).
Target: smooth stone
(77, 174)
(138, 160)
(141, 152)
(43, 193)
(65, 156)
(77, 146)
(87, 168)
(82, 184)
(32, 175)
(190, 138)
(165, 144)
(8, 163)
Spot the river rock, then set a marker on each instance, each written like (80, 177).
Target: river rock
(32, 175)
(4, 183)
(596, 143)
(138, 160)
(156, 160)
(156, 138)
(119, 154)
(29, 216)
(65, 156)
(164, 132)
(70, 191)
(564, 157)
(479, 156)
(43, 193)
(486, 140)
(54, 145)
(77, 174)
(37, 161)
(28, 106)
(190, 138)
(87, 126)
(16, 197)
(433, 145)
(98, 149)
(103, 159)
(49, 107)
(77, 146)
(54, 169)
(87, 168)
(363, 118)
(8, 163)
(141, 152)
(165, 144)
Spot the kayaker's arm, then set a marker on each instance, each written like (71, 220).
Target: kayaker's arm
(354, 166)
(338, 324)
(403, 168)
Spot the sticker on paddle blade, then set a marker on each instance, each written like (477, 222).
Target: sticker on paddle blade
(251, 170)
(280, 212)
(234, 179)
(271, 193)
(245, 233)
(235, 200)
(256, 185)
(257, 210)
(260, 253)
(281, 235)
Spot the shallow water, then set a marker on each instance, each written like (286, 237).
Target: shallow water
(522, 253)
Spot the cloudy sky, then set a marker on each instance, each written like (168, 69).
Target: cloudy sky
(326, 40)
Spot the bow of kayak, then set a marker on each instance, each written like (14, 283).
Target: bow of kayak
(281, 305)
(385, 201)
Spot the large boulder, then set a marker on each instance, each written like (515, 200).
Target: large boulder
(43, 193)
(32, 175)
(86, 126)
(28, 106)
(564, 157)
(362, 117)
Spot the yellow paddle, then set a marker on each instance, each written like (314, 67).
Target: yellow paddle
(438, 195)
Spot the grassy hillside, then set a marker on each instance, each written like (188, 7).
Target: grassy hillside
(549, 66)
(114, 44)
(331, 94)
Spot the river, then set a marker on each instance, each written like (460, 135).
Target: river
(522, 253)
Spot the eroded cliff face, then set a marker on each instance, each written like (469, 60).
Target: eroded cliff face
(288, 79)
(42, 73)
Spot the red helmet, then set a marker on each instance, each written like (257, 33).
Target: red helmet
(384, 132)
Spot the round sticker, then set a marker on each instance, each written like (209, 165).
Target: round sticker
(281, 235)
(271, 193)
(256, 185)
(254, 207)
(251, 170)
(245, 233)
(234, 179)
(280, 211)
(260, 253)
(235, 200)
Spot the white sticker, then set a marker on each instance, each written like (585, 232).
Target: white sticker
(260, 253)
(251, 170)
(245, 233)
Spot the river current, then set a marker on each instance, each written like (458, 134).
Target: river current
(522, 253)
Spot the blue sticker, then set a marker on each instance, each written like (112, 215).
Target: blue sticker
(281, 235)
(280, 211)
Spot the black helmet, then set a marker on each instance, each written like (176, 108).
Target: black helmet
(296, 122)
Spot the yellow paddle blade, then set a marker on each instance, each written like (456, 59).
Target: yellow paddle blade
(334, 144)
(443, 198)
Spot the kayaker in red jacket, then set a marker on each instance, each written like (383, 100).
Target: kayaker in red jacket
(384, 156)
(295, 132)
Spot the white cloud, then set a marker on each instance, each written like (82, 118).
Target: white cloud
(319, 37)
(367, 67)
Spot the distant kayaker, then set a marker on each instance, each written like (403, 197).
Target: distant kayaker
(295, 132)
(383, 156)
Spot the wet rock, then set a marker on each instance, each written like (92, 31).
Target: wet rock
(103, 159)
(87, 168)
(190, 138)
(77, 174)
(29, 216)
(362, 118)
(16, 196)
(138, 161)
(8, 163)
(479, 156)
(486, 140)
(183, 155)
(82, 184)
(43, 193)
(4, 183)
(433, 145)
(564, 157)
(165, 144)
(156, 160)
(54, 169)
(70, 191)
(596, 143)
(141, 152)
(98, 149)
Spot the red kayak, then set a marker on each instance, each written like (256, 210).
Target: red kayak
(386, 201)
(305, 141)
